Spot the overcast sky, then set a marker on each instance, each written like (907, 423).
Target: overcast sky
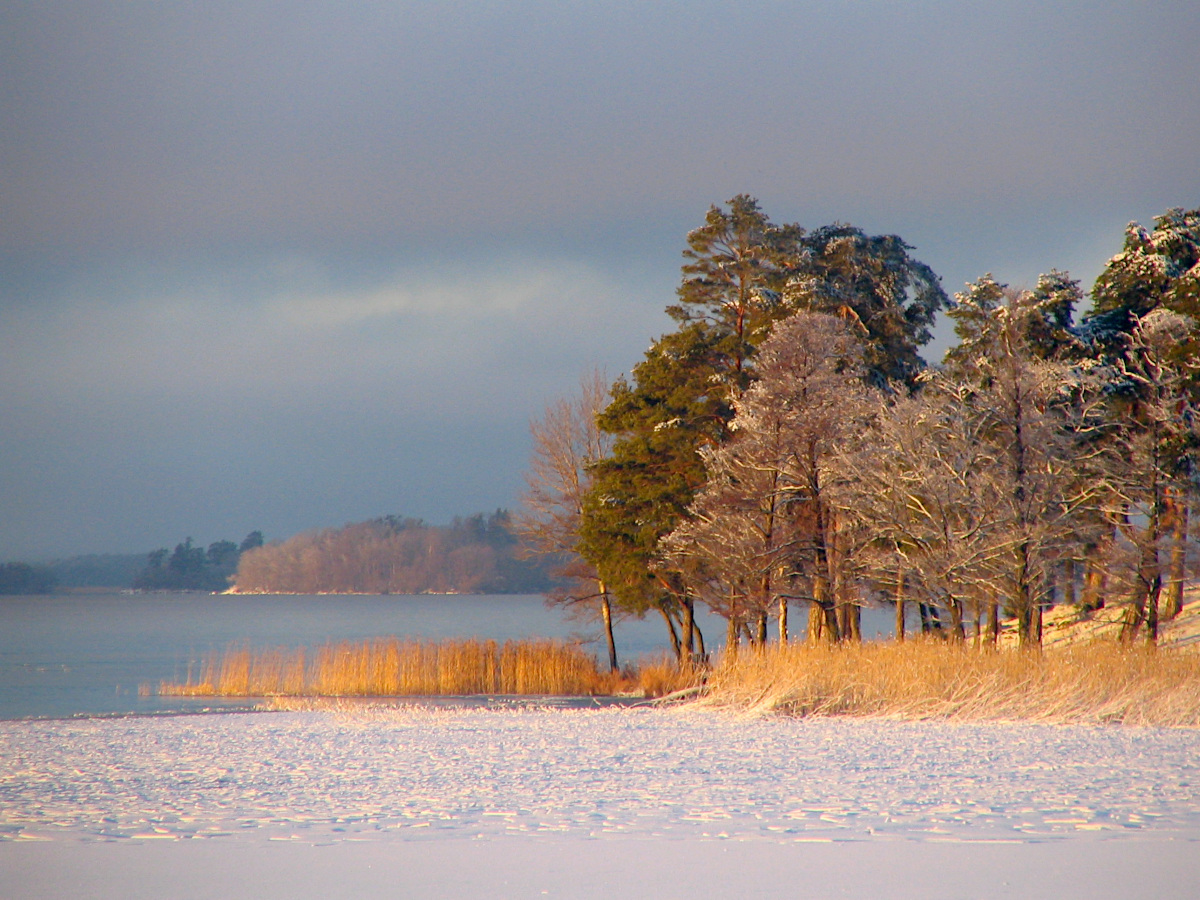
(285, 266)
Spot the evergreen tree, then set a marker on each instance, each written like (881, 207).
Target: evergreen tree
(873, 283)
(673, 407)
(1157, 268)
(737, 266)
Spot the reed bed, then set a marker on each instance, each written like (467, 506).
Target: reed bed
(392, 667)
(1097, 683)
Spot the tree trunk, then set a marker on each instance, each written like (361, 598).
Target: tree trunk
(783, 621)
(733, 635)
(822, 593)
(1152, 611)
(993, 616)
(1089, 598)
(1024, 603)
(958, 632)
(856, 622)
(931, 622)
(675, 648)
(700, 648)
(606, 613)
(687, 631)
(816, 622)
(761, 631)
(1179, 541)
(1069, 595)
(900, 605)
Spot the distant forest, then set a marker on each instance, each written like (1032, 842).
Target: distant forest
(394, 555)
(190, 568)
(478, 554)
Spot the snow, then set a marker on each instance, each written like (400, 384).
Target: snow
(516, 801)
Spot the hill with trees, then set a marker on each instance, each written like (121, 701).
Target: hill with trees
(395, 555)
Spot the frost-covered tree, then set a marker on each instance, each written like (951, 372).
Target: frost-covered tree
(1038, 414)
(922, 484)
(1152, 453)
(873, 282)
(1156, 269)
(761, 527)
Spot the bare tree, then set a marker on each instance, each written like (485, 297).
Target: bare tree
(566, 441)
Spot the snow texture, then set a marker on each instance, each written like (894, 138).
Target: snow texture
(414, 773)
(523, 801)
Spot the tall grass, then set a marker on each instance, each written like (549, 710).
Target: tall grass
(393, 667)
(1099, 682)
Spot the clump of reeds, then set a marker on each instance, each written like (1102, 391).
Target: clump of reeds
(1096, 683)
(663, 676)
(393, 667)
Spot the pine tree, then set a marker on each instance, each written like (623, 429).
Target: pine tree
(873, 283)
(1157, 268)
(736, 269)
(673, 407)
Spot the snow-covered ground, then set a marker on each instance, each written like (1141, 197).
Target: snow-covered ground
(592, 803)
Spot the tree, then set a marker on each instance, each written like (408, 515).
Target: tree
(673, 406)
(1157, 268)
(1040, 415)
(567, 440)
(251, 541)
(922, 485)
(23, 578)
(742, 275)
(1152, 452)
(872, 282)
(736, 269)
(761, 524)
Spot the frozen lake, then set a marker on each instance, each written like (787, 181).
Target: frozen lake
(87, 654)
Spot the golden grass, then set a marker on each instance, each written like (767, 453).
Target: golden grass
(1094, 683)
(662, 676)
(391, 667)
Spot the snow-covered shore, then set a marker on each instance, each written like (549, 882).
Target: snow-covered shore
(606, 802)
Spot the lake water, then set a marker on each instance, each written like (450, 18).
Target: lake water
(87, 654)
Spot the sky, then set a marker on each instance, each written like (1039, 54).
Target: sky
(285, 266)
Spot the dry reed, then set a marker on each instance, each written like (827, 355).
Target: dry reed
(1101, 682)
(392, 667)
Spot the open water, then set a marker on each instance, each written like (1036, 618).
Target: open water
(88, 654)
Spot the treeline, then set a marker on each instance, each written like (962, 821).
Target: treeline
(393, 555)
(23, 578)
(191, 568)
(787, 446)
